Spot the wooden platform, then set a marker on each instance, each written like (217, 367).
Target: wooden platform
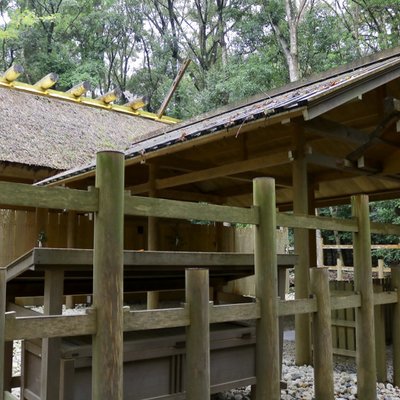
(143, 270)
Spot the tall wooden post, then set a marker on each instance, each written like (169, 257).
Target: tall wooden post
(396, 326)
(380, 339)
(152, 234)
(51, 347)
(302, 249)
(198, 335)
(266, 276)
(3, 286)
(365, 329)
(107, 365)
(322, 335)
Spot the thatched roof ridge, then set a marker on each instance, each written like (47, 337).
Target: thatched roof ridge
(42, 131)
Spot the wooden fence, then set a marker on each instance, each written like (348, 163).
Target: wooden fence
(107, 320)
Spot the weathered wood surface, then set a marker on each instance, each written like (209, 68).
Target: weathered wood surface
(19, 194)
(304, 221)
(3, 286)
(322, 335)
(266, 271)
(51, 347)
(156, 319)
(20, 328)
(396, 327)
(365, 330)
(301, 246)
(147, 206)
(198, 335)
(9, 396)
(107, 364)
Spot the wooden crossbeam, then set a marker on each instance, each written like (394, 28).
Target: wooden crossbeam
(19, 194)
(271, 160)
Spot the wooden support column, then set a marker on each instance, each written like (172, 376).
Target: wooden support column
(51, 348)
(365, 327)
(322, 335)
(198, 335)
(380, 340)
(396, 326)
(302, 248)
(3, 299)
(107, 364)
(69, 301)
(266, 277)
(152, 235)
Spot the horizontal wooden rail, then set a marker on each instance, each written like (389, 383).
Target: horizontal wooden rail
(234, 312)
(20, 328)
(385, 229)
(23, 195)
(44, 326)
(315, 222)
(156, 319)
(299, 306)
(162, 208)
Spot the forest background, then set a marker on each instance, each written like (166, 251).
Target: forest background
(238, 48)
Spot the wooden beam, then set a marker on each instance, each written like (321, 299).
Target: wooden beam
(365, 330)
(198, 335)
(110, 96)
(322, 335)
(271, 160)
(19, 194)
(51, 347)
(266, 277)
(13, 73)
(107, 364)
(328, 128)
(25, 328)
(80, 89)
(173, 88)
(302, 248)
(145, 206)
(47, 81)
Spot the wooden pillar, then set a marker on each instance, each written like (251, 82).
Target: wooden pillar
(266, 271)
(51, 347)
(3, 299)
(71, 240)
(365, 327)
(395, 274)
(302, 248)
(380, 338)
(107, 365)
(152, 235)
(322, 335)
(198, 335)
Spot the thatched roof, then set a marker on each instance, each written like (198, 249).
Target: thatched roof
(42, 131)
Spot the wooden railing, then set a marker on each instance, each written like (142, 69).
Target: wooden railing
(107, 320)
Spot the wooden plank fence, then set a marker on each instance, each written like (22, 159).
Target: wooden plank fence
(108, 202)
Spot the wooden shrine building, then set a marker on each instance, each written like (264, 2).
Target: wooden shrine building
(323, 141)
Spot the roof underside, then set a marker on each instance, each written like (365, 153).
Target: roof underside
(42, 131)
(349, 118)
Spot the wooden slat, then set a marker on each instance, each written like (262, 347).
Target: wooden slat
(385, 298)
(299, 306)
(314, 222)
(20, 328)
(162, 208)
(385, 229)
(19, 194)
(344, 323)
(344, 352)
(340, 302)
(156, 319)
(234, 312)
